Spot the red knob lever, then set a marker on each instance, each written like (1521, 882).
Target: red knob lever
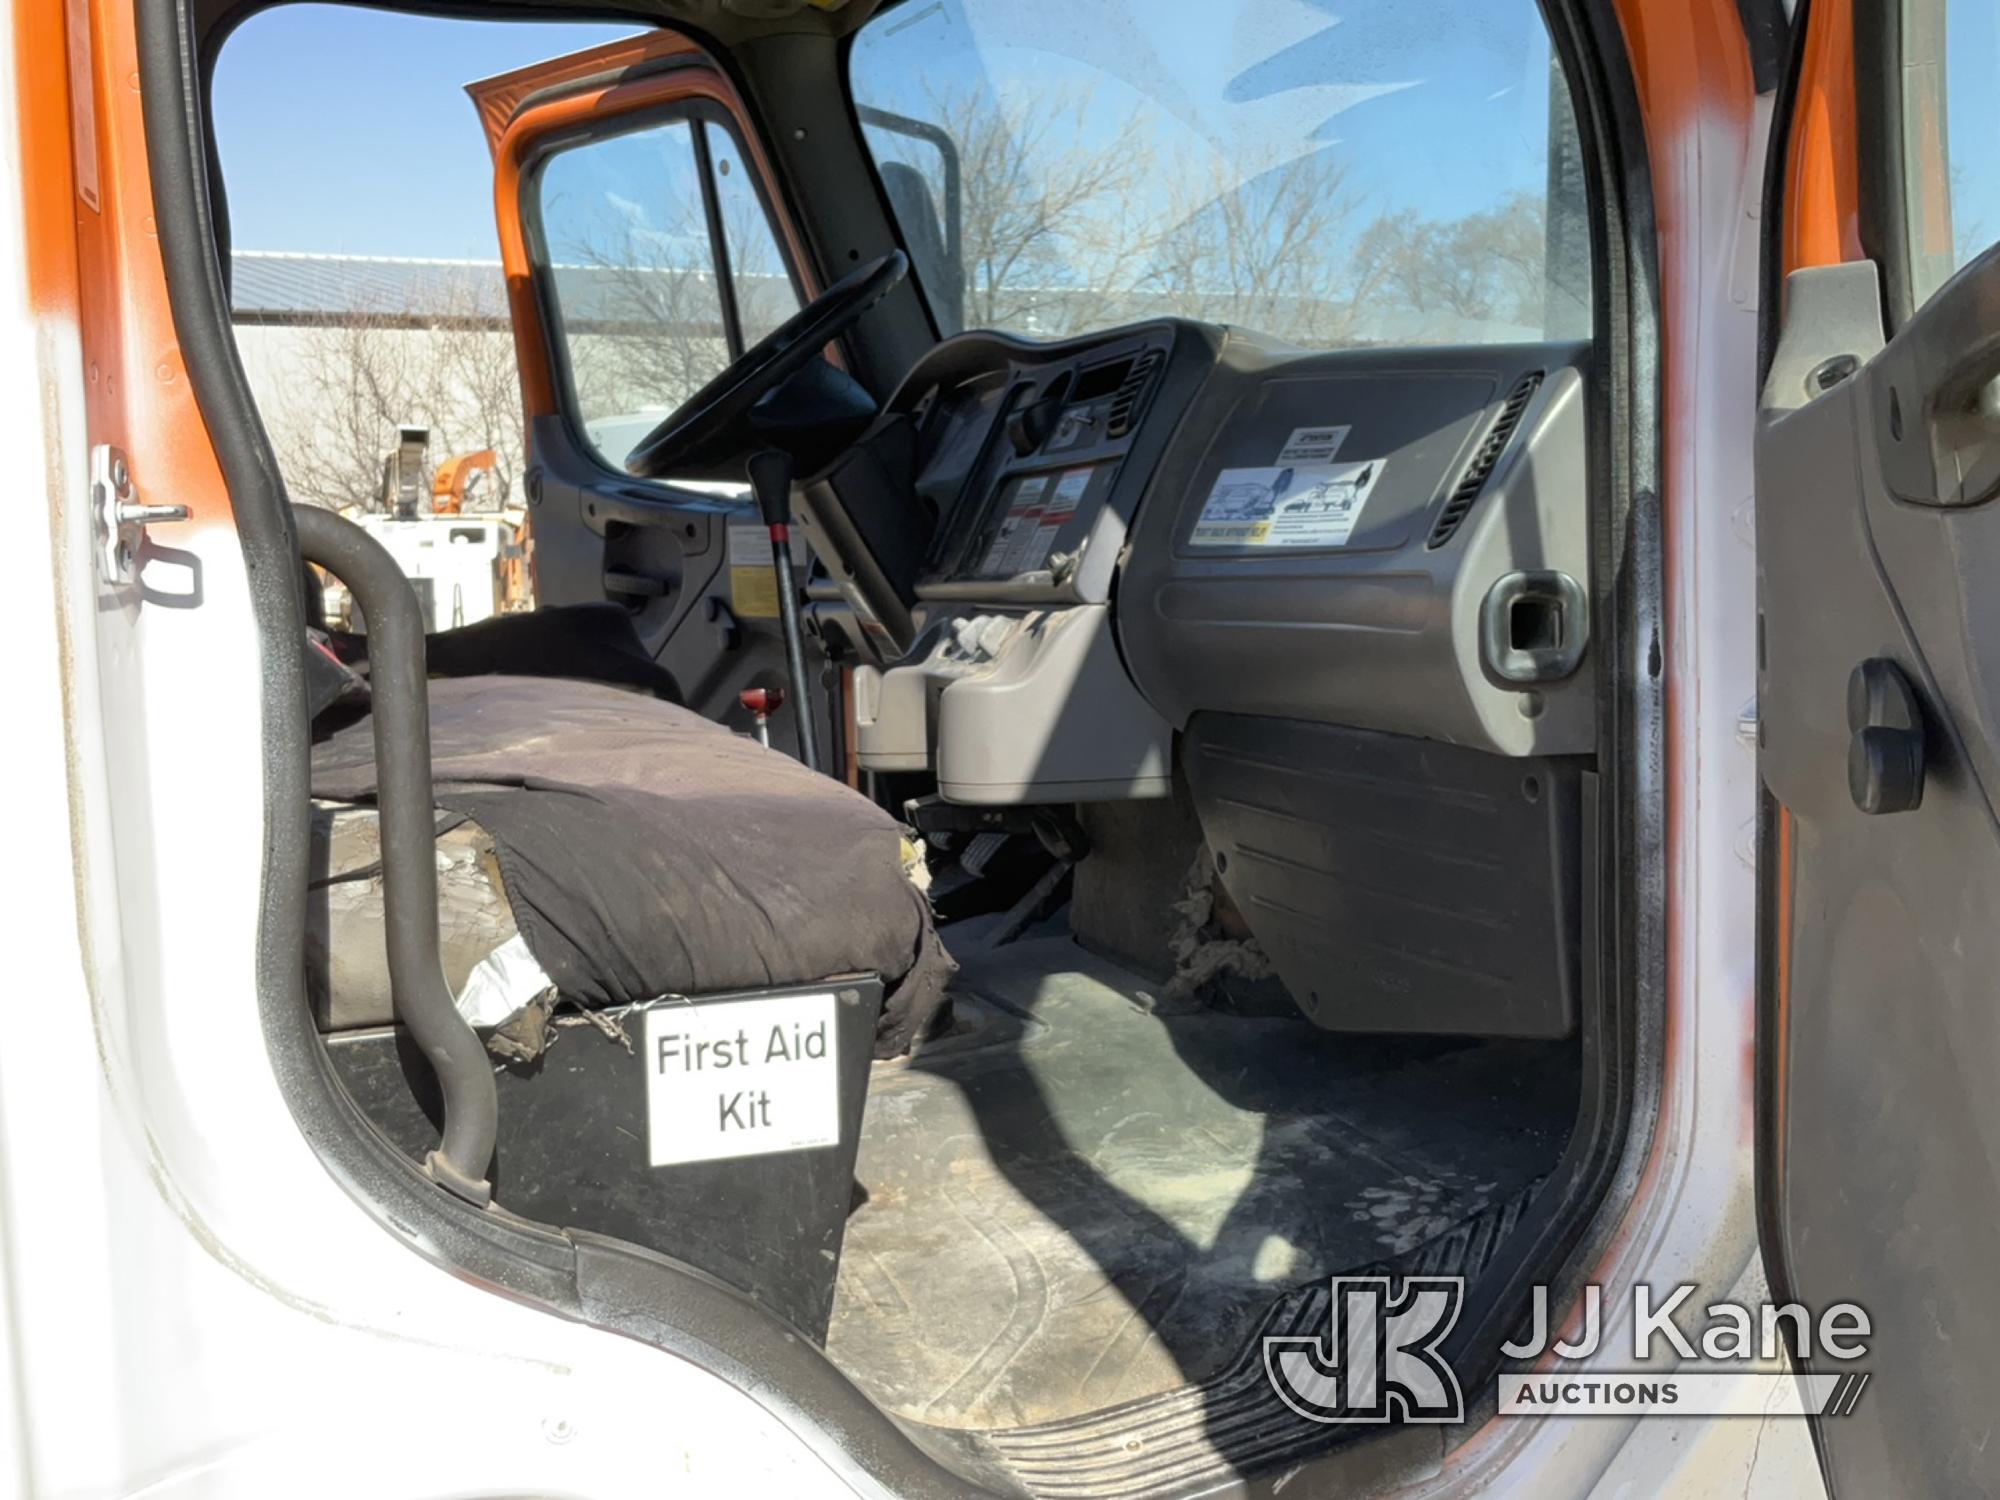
(763, 702)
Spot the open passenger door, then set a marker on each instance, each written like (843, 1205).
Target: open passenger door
(1878, 543)
(644, 249)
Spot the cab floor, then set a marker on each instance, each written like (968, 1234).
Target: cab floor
(1082, 1196)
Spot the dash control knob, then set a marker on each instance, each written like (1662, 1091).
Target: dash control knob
(1029, 427)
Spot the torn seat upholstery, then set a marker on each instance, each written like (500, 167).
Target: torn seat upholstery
(638, 848)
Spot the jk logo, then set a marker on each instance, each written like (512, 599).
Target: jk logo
(1378, 1359)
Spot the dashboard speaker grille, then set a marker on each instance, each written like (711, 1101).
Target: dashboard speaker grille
(1459, 505)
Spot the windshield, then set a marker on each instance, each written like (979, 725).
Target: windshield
(1331, 173)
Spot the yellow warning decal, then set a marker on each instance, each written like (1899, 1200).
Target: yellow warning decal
(753, 587)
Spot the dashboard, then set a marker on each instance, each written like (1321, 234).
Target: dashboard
(1345, 599)
(1209, 521)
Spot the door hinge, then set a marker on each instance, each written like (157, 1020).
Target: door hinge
(118, 517)
(1749, 729)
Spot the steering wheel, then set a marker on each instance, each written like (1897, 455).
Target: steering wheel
(710, 425)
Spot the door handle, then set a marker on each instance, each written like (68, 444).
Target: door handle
(1532, 628)
(1885, 754)
(635, 585)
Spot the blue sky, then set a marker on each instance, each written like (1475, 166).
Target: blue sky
(1972, 113)
(346, 130)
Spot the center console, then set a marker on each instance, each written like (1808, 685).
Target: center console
(1011, 687)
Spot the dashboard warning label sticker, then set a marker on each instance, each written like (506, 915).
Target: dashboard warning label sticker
(1286, 506)
(1007, 555)
(1063, 503)
(1069, 490)
(1038, 507)
(1312, 445)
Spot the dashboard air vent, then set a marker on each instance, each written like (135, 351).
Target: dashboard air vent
(1459, 505)
(1125, 405)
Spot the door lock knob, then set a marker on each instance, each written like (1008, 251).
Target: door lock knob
(1885, 770)
(1885, 752)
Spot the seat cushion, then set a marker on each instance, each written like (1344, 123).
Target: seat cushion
(647, 851)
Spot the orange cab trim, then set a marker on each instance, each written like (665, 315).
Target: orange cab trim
(97, 264)
(42, 96)
(1822, 178)
(595, 109)
(499, 98)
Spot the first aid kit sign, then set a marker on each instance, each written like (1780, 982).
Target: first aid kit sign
(741, 1078)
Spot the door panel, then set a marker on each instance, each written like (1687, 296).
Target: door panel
(1881, 1093)
(638, 231)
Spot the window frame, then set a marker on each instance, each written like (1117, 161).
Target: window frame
(1892, 188)
(700, 113)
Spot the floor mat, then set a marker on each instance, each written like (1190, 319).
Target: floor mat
(1085, 1196)
(1233, 1422)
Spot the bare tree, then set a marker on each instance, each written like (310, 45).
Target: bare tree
(473, 394)
(1446, 274)
(353, 378)
(1262, 250)
(1071, 222)
(641, 332)
(1046, 205)
(1513, 238)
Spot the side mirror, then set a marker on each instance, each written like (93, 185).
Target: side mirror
(933, 232)
(924, 236)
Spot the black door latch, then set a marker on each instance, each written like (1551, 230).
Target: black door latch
(1885, 757)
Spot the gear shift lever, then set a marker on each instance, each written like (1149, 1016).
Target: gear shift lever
(771, 481)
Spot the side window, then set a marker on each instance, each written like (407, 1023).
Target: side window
(644, 314)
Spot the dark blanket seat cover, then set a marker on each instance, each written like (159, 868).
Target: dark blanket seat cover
(649, 851)
(591, 642)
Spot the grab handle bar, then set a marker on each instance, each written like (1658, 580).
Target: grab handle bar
(400, 695)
